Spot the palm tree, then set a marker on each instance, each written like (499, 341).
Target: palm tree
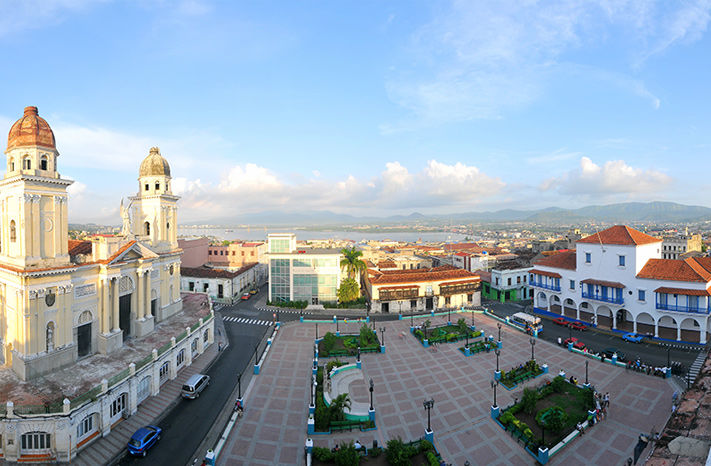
(351, 262)
(338, 404)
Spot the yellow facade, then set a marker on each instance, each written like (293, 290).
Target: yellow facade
(62, 300)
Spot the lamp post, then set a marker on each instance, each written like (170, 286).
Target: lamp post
(570, 332)
(371, 394)
(586, 372)
(473, 320)
(336, 319)
(499, 327)
(449, 312)
(467, 337)
(412, 319)
(239, 386)
(358, 354)
(669, 357)
(313, 380)
(533, 343)
(317, 330)
(428, 404)
(497, 351)
(256, 348)
(382, 338)
(494, 384)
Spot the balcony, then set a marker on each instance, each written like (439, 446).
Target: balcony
(681, 308)
(604, 298)
(394, 295)
(467, 288)
(544, 285)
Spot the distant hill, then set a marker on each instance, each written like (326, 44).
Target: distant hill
(628, 212)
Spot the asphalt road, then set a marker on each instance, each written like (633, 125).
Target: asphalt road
(650, 354)
(189, 422)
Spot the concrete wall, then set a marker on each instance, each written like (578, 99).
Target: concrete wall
(194, 251)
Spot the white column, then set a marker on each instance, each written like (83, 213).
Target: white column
(614, 320)
(702, 331)
(656, 328)
(678, 331)
(115, 306)
(147, 280)
(105, 307)
(140, 314)
(634, 325)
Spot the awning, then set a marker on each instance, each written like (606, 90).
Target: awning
(546, 274)
(687, 292)
(592, 281)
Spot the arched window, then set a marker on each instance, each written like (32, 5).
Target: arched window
(44, 163)
(50, 336)
(147, 228)
(147, 186)
(11, 165)
(167, 226)
(28, 163)
(157, 186)
(13, 231)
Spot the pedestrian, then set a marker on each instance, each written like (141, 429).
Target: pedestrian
(607, 399)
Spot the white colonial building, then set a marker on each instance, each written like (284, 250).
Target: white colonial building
(617, 279)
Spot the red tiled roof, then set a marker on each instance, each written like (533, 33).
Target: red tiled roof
(687, 270)
(251, 245)
(667, 290)
(207, 272)
(546, 274)
(402, 287)
(387, 264)
(445, 272)
(484, 275)
(464, 282)
(77, 247)
(622, 235)
(562, 260)
(592, 281)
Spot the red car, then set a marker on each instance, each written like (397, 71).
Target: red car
(579, 345)
(560, 321)
(577, 326)
(572, 340)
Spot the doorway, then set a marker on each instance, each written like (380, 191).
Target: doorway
(385, 307)
(125, 315)
(84, 339)
(429, 304)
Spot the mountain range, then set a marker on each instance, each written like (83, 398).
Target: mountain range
(628, 212)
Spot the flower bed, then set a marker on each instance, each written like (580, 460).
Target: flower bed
(559, 405)
(447, 333)
(328, 419)
(347, 345)
(530, 370)
(419, 452)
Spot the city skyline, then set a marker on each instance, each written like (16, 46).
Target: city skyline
(367, 108)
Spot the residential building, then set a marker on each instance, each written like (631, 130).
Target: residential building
(302, 274)
(421, 289)
(194, 251)
(223, 286)
(507, 281)
(236, 254)
(470, 261)
(618, 279)
(673, 247)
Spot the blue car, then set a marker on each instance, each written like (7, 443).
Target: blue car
(632, 337)
(143, 439)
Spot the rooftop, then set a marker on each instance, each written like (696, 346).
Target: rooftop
(620, 235)
(209, 272)
(445, 272)
(694, 269)
(562, 260)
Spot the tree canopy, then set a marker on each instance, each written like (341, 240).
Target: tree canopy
(352, 261)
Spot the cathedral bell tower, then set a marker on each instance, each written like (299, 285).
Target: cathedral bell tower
(33, 197)
(155, 207)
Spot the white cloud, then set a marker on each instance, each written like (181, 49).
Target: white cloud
(479, 59)
(18, 15)
(613, 178)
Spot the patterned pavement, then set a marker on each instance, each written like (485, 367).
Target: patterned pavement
(273, 429)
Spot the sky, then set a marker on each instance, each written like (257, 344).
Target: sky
(367, 107)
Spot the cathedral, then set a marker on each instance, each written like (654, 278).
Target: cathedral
(61, 299)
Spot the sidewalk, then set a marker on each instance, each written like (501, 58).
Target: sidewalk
(110, 449)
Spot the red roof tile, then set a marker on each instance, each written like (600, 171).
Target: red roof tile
(77, 247)
(562, 260)
(667, 290)
(446, 272)
(687, 270)
(622, 235)
(546, 274)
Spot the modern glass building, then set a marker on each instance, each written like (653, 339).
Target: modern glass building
(302, 274)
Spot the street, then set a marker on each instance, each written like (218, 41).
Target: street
(650, 354)
(189, 422)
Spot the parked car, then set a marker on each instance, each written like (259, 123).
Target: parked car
(560, 321)
(143, 439)
(632, 337)
(579, 345)
(246, 296)
(577, 326)
(253, 291)
(608, 352)
(572, 340)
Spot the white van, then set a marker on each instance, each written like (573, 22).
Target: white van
(527, 320)
(195, 384)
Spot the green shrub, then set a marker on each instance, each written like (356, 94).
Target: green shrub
(558, 384)
(322, 454)
(347, 455)
(332, 364)
(451, 337)
(399, 454)
(329, 341)
(419, 334)
(529, 400)
(554, 418)
(322, 416)
(426, 446)
(475, 334)
(432, 459)
(506, 418)
(375, 452)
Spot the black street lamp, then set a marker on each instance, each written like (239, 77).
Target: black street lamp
(382, 338)
(428, 404)
(239, 385)
(543, 433)
(570, 332)
(256, 348)
(449, 312)
(494, 384)
(533, 343)
(371, 394)
(499, 326)
(358, 354)
(336, 323)
(473, 320)
(412, 317)
(497, 351)
(313, 389)
(317, 330)
(467, 337)
(586, 372)
(669, 357)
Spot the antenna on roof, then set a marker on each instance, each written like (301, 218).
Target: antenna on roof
(599, 238)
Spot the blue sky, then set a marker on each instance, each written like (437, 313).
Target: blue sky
(367, 107)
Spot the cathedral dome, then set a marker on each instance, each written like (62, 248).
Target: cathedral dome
(154, 164)
(30, 130)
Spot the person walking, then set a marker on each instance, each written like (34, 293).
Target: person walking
(607, 399)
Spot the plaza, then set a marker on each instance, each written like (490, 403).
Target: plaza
(273, 429)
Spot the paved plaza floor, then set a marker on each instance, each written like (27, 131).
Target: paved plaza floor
(273, 429)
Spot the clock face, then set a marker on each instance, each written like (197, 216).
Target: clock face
(50, 298)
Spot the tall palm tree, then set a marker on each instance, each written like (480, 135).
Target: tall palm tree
(338, 405)
(351, 262)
